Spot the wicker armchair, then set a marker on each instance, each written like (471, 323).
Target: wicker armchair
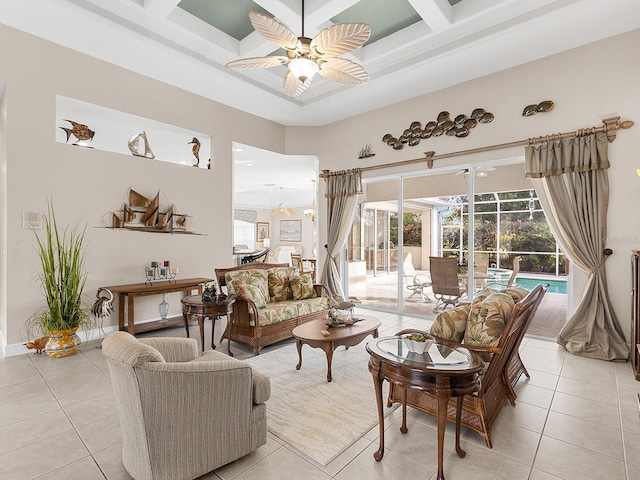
(480, 410)
(183, 415)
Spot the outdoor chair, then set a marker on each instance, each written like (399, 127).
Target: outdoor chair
(445, 283)
(480, 265)
(480, 410)
(497, 283)
(183, 414)
(415, 282)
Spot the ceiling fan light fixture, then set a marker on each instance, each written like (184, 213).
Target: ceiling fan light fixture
(303, 68)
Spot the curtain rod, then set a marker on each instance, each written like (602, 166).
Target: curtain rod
(610, 127)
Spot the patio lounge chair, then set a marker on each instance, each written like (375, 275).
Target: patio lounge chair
(415, 282)
(444, 282)
(501, 284)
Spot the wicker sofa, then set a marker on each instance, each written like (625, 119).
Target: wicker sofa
(274, 294)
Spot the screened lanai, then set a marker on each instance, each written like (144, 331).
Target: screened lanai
(391, 239)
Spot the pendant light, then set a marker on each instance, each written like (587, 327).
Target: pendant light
(281, 208)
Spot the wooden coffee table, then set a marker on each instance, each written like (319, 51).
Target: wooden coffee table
(347, 336)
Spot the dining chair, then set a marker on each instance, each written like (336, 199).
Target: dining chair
(444, 282)
(303, 267)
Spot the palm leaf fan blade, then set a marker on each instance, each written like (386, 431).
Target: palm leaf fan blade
(257, 62)
(343, 71)
(273, 30)
(294, 87)
(340, 38)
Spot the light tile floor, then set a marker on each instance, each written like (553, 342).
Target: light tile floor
(575, 419)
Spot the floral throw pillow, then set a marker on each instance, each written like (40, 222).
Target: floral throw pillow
(302, 287)
(487, 320)
(517, 293)
(249, 275)
(252, 290)
(451, 324)
(279, 284)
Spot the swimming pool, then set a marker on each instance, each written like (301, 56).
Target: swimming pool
(555, 285)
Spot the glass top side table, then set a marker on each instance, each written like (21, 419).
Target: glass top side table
(441, 370)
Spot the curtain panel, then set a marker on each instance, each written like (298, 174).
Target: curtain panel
(343, 189)
(571, 180)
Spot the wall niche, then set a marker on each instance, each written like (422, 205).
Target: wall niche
(113, 130)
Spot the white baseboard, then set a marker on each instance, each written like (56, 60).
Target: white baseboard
(15, 349)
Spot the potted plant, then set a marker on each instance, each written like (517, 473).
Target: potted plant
(62, 278)
(418, 342)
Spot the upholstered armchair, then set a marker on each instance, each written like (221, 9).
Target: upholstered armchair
(183, 414)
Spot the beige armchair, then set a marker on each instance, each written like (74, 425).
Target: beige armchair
(182, 414)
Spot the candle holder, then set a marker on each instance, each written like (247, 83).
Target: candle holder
(160, 271)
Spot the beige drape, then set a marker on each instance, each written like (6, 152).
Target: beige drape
(571, 180)
(343, 189)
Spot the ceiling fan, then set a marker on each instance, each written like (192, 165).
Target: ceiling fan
(480, 171)
(281, 209)
(306, 57)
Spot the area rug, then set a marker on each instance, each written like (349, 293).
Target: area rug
(319, 418)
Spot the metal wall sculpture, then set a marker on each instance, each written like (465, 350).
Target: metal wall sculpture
(545, 106)
(147, 215)
(459, 127)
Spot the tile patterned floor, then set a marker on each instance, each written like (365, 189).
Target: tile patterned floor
(575, 419)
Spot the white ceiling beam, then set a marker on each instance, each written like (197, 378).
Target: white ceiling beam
(160, 8)
(285, 11)
(435, 13)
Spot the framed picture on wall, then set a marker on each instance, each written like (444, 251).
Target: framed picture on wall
(262, 231)
(290, 230)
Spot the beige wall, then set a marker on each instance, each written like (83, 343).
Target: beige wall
(586, 84)
(84, 184)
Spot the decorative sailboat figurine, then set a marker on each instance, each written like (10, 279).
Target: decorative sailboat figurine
(134, 145)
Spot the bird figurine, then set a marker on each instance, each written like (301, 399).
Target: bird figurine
(38, 344)
(103, 306)
(81, 132)
(196, 150)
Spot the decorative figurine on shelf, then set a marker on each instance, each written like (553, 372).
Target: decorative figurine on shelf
(134, 145)
(210, 294)
(81, 132)
(196, 150)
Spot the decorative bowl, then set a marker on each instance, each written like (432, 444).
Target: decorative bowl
(415, 346)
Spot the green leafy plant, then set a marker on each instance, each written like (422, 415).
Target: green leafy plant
(420, 337)
(62, 277)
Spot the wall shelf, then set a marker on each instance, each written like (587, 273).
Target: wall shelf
(114, 128)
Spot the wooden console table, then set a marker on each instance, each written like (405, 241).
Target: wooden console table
(130, 292)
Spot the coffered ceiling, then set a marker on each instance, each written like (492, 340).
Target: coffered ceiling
(416, 46)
